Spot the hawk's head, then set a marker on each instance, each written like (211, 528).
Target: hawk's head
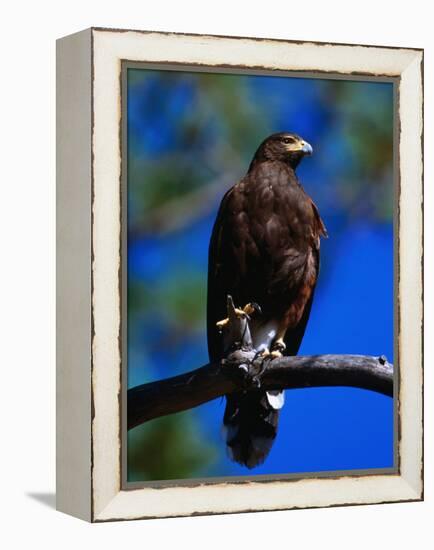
(286, 147)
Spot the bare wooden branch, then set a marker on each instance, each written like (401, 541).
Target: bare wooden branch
(189, 390)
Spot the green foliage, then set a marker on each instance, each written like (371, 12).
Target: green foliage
(168, 448)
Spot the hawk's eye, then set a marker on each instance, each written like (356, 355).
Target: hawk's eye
(287, 140)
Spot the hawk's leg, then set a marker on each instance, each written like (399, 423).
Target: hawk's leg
(257, 366)
(278, 346)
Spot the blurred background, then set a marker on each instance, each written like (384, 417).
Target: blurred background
(190, 137)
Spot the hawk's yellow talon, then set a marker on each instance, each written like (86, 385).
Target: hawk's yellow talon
(241, 313)
(251, 308)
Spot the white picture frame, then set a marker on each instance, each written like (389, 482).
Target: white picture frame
(89, 236)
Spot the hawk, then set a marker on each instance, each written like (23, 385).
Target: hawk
(264, 250)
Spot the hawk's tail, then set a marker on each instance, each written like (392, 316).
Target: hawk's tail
(250, 425)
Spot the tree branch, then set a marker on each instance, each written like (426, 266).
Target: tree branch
(189, 390)
(243, 369)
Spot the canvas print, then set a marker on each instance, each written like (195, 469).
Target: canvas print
(258, 275)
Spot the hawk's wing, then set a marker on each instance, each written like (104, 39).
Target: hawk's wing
(294, 336)
(216, 301)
